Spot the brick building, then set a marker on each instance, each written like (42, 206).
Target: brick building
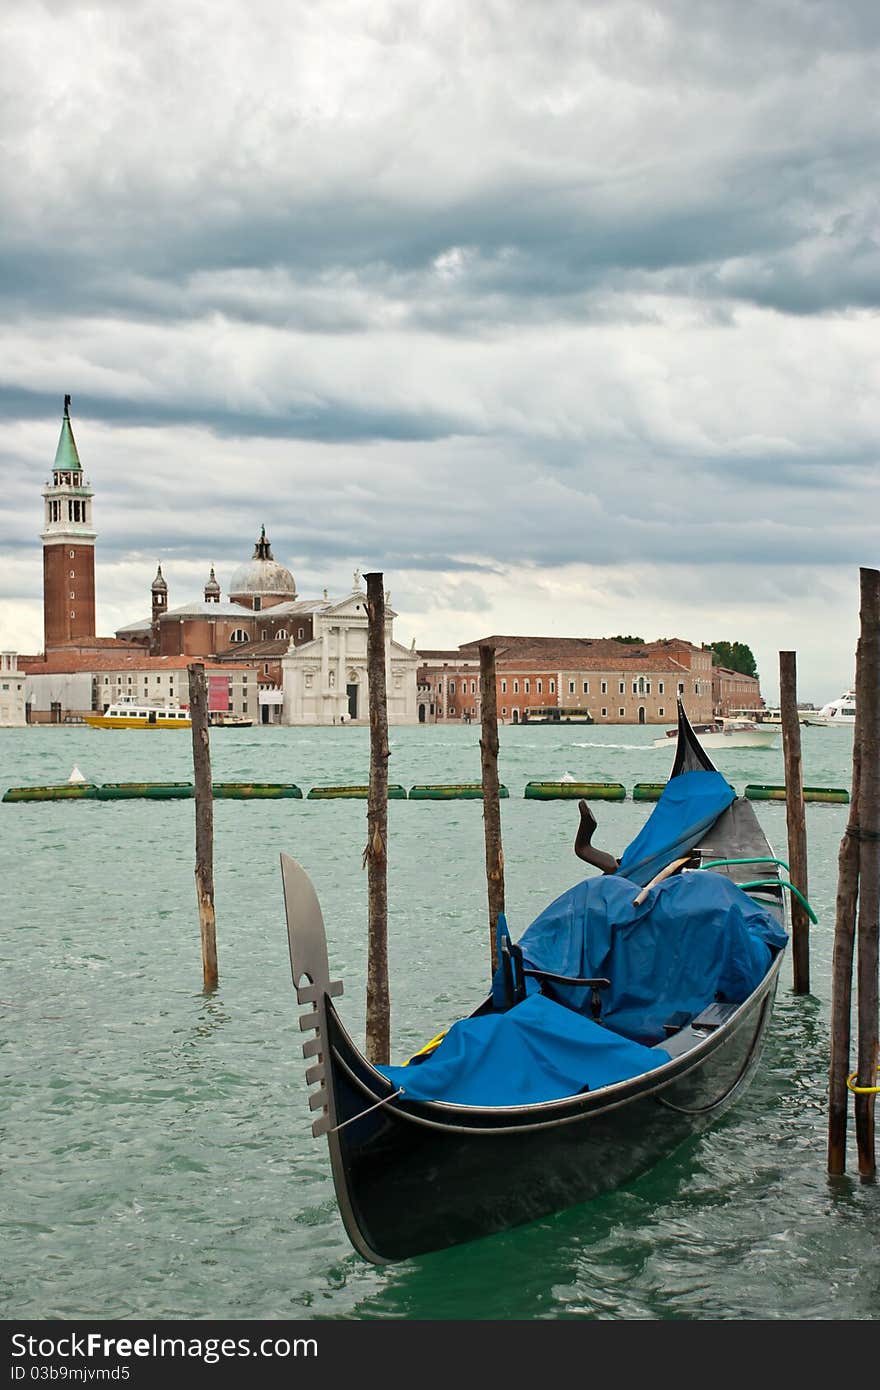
(573, 677)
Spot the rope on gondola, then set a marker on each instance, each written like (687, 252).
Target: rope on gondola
(361, 1113)
(861, 1090)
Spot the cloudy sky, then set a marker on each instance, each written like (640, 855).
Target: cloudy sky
(562, 313)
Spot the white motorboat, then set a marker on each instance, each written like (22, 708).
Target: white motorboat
(839, 713)
(729, 733)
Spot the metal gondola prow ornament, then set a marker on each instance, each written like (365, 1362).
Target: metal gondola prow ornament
(308, 961)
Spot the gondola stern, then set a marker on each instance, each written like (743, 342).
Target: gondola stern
(690, 755)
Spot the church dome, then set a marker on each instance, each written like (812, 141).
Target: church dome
(262, 576)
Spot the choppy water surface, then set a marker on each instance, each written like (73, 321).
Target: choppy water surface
(158, 1155)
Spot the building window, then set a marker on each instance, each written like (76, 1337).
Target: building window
(264, 634)
(72, 594)
(621, 685)
(299, 633)
(452, 687)
(661, 711)
(604, 689)
(504, 689)
(621, 713)
(72, 554)
(239, 635)
(265, 668)
(73, 574)
(586, 687)
(552, 687)
(661, 689)
(72, 614)
(604, 713)
(681, 687)
(527, 687)
(516, 687)
(258, 603)
(571, 687)
(473, 687)
(539, 686)
(281, 635)
(504, 710)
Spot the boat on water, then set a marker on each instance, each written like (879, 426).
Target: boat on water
(771, 715)
(839, 713)
(125, 714)
(729, 733)
(578, 1070)
(541, 714)
(223, 720)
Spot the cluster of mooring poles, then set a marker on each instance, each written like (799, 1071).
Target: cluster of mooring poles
(858, 909)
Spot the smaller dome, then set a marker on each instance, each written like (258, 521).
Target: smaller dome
(262, 576)
(158, 585)
(212, 588)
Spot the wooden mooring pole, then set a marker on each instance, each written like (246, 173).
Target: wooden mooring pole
(858, 909)
(378, 1035)
(491, 796)
(842, 966)
(796, 820)
(868, 923)
(204, 799)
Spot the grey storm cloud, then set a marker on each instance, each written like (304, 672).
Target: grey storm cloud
(444, 286)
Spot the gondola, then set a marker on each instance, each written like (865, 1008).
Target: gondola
(588, 1061)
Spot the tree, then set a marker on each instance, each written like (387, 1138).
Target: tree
(635, 641)
(736, 656)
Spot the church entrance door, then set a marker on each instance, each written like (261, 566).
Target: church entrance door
(352, 693)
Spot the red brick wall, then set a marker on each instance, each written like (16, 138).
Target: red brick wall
(58, 561)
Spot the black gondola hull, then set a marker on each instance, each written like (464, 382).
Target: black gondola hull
(420, 1177)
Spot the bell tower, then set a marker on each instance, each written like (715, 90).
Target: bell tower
(68, 546)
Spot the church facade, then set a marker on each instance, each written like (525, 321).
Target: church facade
(325, 681)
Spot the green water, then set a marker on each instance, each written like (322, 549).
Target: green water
(158, 1159)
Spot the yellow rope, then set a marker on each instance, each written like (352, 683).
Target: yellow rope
(862, 1090)
(429, 1047)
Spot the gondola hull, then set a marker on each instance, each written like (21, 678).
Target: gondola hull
(419, 1177)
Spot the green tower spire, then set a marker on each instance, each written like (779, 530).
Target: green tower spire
(66, 456)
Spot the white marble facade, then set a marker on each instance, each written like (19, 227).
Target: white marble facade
(325, 680)
(12, 692)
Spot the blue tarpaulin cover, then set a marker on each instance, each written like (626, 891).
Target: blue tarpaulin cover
(688, 806)
(537, 1051)
(696, 937)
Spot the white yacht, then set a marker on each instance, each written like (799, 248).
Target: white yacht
(839, 713)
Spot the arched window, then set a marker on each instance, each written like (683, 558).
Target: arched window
(281, 635)
(239, 635)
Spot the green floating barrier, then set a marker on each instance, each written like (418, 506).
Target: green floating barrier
(464, 791)
(395, 792)
(648, 791)
(157, 791)
(758, 791)
(241, 791)
(67, 791)
(595, 791)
